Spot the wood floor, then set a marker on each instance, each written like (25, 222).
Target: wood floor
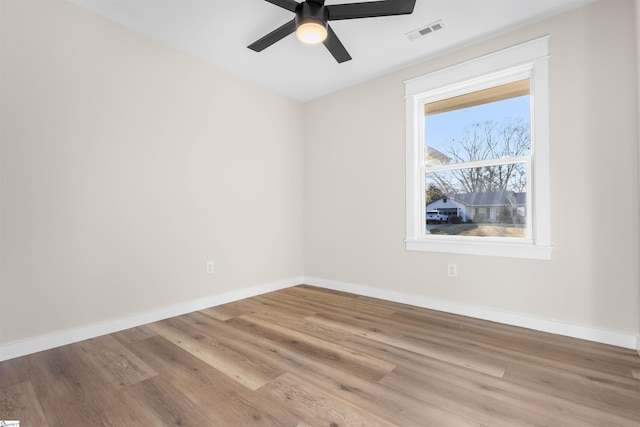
(307, 356)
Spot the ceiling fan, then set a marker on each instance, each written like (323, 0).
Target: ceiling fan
(311, 23)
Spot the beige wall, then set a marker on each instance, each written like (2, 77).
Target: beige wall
(125, 165)
(354, 198)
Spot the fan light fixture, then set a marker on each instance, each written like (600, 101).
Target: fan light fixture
(311, 32)
(311, 23)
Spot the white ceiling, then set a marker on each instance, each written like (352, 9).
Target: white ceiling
(218, 31)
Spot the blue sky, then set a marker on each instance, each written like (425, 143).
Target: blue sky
(441, 128)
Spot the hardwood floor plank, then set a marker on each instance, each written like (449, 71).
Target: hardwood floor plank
(501, 342)
(603, 391)
(398, 408)
(20, 402)
(512, 343)
(211, 391)
(274, 301)
(315, 407)
(293, 322)
(113, 362)
(62, 382)
(327, 375)
(448, 395)
(230, 310)
(498, 403)
(235, 365)
(218, 313)
(320, 300)
(162, 406)
(364, 393)
(71, 394)
(14, 371)
(478, 363)
(132, 335)
(322, 350)
(566, 350)
(307, 356)
(259, 346)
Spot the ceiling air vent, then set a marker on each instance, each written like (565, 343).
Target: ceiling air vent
(428, 29)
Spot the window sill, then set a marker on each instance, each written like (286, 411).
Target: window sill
(466, 247)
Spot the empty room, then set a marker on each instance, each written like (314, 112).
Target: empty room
(310, 213)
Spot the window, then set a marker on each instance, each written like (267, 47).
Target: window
(478, 153)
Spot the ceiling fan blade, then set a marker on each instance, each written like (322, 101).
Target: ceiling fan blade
(334, 45)
(370, 9)
(274, 36)
(285, 4)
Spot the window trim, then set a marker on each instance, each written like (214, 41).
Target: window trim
(526, 60)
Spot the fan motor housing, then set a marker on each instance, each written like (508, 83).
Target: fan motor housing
(310, 11)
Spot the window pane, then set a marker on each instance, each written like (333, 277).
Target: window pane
(488, 124)
(487, 201)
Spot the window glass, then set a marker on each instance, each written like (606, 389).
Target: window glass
(487, 131)
(491, 128)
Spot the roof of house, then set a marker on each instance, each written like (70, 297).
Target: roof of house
(493, 198)
(435, 157)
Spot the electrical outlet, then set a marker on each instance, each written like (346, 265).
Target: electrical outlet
(452, 270)
(209, 267)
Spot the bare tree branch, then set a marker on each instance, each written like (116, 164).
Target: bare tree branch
(482, 141)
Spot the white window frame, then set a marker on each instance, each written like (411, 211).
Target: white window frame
(527, 60)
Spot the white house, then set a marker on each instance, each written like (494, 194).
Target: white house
(496, 206)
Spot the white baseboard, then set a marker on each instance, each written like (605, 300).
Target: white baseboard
(591, 334)
(58, 339)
